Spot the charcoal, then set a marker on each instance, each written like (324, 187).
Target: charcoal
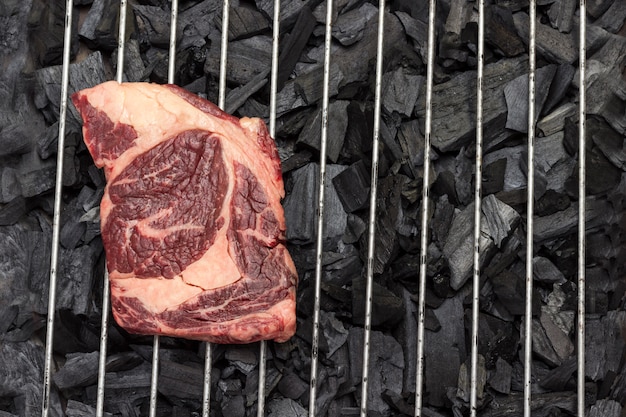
(610, 143)
(237, 96)
(333, 332)
(99, 29)
(301, 204)
(516, 94)
(554, 122)
(80, 369)
(606, 408)
(557, 330)
(613, 18)
(242, 358)
(134, 67)
(416, 30)
(336, 129)
(387, 308)
(386, 366)
(355, 227)
(542, 346)
(596, 8)
(246, 58)
(500, 380)
(400, 90)
(9, 184)
(20, 377)
(444, 351)
(558, 88)
(455, 100)
(84, 74)
(441, 221)
(497, 222)
(561, 15)
(500, 31)
(600, 331)
(285, 407)
(555, 47)
(546, 271)
(560, 377)
(349, 26)
(180, 381)
(412, 145)
(11, 212)
(77, 409)
(152, 25)
(306, 88)
(294, 45)
(245, 22)
(233, 406)
(541, 404)
(289, 10)
(510, 290)
(292, 386)
(352, 186)
(463, 386)
(46, 21)
(406, 334)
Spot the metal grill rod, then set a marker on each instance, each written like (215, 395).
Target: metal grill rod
(582, 58)
(320, 209)
(56, 218)
(372, 213)
(530, 198)
(154, 380)
(421, 303)
(477, 209)
(104, 326)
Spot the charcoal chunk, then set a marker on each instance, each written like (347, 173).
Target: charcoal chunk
(352, 186)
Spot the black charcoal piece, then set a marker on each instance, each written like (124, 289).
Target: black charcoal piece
(292, 386)
(246, 58)
(604, 343)
(99, 29)
(463, 385)
(561, 223)
(558, 326)
(560, 84)
(500, 380)
(400, 90)
(387, 307)
(542, 346)
(238, 96)
(386, 366)
(35, 175)
(516, 94)
(76, 276)
(559, 378)
(180, 382)
(289, 10)
(242, 358)
(152, 25)
(500, 31)
(497, 222)
(349, 26)
(355, 227)
(510, 290)
(352, 186)
(545, 271)
(454, 104)
(9, 184)
(555, 121)
(285, 407)
(444, 351)
(555, 47)
(244, 22)
(294, 44)
(80, 369)
(541, 404)
(612, 144)
(336, 129)
(613, 19)
(493, 176)
(12, 211)
(233, 406)
(561, 15)
(301, 204)
(605, 408)
(77, 409)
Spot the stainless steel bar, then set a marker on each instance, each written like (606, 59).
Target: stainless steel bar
(104, 326)
(56, 218)
(320, 209)
(171, 72)
(530, 199)
(154, 380)
(421, 302)
(477, 209)
(208, 353)
(171, 63)
(582, 58)
(372, 213)
(272, 131)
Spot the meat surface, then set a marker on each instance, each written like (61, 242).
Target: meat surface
(191, 219)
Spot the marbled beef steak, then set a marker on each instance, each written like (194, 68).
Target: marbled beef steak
(191, 218)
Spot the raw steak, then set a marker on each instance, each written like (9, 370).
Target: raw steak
(191, 218)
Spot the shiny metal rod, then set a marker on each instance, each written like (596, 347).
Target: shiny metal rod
(56, 218)
(421, 302)
(372, 213)
(171, 72)
(104, 326)
(582, 58)
(530, 199)
(477, 209)
(320, 210)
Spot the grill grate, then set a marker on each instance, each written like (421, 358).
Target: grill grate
(372, 214)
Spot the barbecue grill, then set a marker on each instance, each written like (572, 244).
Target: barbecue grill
(422, 274)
